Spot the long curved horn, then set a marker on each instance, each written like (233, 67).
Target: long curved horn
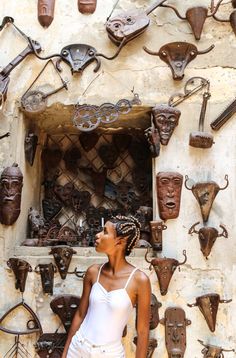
(226, 301)
(224, 232)
(192, 229)
(213, 8)
(175, 10)
(185, 259)
(228, 350)
(6, 20)
(201, 342)
(205, 51)
(150, 52)
(185, 183)
(214, 12)
(146, 256)
(122, 44)
(227, 182)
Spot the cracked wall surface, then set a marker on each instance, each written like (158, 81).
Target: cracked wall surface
(152, 79)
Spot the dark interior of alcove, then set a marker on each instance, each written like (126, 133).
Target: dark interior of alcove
(89, 177)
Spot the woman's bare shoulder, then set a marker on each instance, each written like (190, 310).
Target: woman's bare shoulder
(92, 272)
(141, 278)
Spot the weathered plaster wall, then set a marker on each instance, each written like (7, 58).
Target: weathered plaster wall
(153, 81)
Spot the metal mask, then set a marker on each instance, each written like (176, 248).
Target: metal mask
(165, 119)
(35, 223)
(153, 139)
(62, 256)
(87, 6)
(80, 200)
(156, 234)
(11, 183)
(152, 344)
(210, 351)
(207, 237)
(177, 56)
(47, 276)
(65, 307)
(208, 305)
(154, 313)
(64, 193)
(31, 142)
(164, 268)
(175, 324)
(169, 187)
(20, 269)
(205, 193)
(51, 345)
(46, 12)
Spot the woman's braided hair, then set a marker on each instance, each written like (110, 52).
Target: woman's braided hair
(127, 226)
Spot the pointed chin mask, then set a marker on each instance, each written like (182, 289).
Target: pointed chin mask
(165, 119)
(169, 187)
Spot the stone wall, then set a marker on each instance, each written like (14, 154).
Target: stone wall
(152, 79)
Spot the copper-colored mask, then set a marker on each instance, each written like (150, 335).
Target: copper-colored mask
(51, 345)
(47, 276)
(65, 307)
(165, 119)
(164, 268)
(154, 313)
(208, 305)
(31, 141)
(20, 269)
(46, 12)
(207, 237)
(213, 351)
(152, 344)
(169, 187)
(175, 323)
(11, 183)
(62, 256)
(156, 234)
(87, 6)
(205, 193)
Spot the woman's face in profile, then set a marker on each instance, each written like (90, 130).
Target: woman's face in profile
(105, 240)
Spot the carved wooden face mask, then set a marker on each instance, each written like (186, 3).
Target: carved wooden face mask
(169, 187)
(154, 315)
(175, 323)
(11, 183)
(65, 307)
(46, 12)
(165, 119)
(47, 276)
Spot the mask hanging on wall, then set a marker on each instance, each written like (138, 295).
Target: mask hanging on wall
(11, 183)
(169, 187)
(46, 12)
(87, 6)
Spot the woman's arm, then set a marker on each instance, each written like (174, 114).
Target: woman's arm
(83, 306)
(143, 315)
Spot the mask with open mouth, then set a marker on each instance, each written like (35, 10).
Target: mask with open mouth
(11, 183)
(169, 187)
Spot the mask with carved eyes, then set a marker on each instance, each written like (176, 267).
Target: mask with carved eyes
(169, 187)
(11, 183)
(165, 119)
(65, 307)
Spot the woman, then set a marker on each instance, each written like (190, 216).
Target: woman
(110, 292)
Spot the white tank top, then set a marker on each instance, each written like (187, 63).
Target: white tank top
(108, 313)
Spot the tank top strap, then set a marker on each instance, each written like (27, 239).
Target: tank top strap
(130, 276)
(99, 272)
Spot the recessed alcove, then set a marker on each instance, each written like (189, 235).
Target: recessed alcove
(55, 128)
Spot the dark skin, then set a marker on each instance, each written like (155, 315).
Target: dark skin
(114, 275)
